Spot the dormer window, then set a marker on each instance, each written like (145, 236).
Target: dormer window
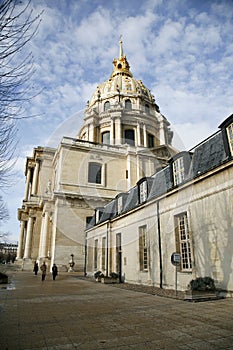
(98, 213)
(180, 167)
(119, 204)
(120, 200)
(178, 171)
(229, 130)
(142, 190)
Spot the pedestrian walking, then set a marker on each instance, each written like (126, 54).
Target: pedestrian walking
(36, 268)
(54, 271)
(43, 269)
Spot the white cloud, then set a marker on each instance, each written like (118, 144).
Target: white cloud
(188, 134)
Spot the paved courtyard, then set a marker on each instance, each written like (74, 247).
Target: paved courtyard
(74, 313)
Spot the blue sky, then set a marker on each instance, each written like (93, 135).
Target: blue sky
(181, 50)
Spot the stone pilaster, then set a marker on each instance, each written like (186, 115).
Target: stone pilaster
(43, 252)
(35, 179)
(27, 188)
(28, 243)
(144, 135)
(21, 240)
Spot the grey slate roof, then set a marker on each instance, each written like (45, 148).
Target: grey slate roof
(91, 223)
(208, 155)
(161, 183)
(131, 200)
(109, 211)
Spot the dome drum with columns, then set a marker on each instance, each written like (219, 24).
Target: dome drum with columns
(123, 111)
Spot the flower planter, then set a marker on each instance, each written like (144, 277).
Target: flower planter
(199, 295)
(109, 280)
(201, 288)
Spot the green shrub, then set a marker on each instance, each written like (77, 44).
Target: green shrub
(202, 284)
(98, 274)
(114, 275)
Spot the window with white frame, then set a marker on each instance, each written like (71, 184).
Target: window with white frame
(143, 248)
(230, 136)
(178, 171)
(96, 254)
(118, 252)
(103, 253)
(183, 241)
(119, 204)
(143, 191)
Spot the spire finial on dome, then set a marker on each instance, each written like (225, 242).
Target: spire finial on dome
(121, 65)
(121, 47)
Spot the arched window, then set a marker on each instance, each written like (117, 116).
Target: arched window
(129, 137)
(106, 137)
(94, 172)
(106, 105)
(147, 109)
(128, 104)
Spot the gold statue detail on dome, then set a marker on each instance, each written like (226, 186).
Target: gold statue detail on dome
(121, 65)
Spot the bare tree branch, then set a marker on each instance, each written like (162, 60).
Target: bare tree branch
(17, 27)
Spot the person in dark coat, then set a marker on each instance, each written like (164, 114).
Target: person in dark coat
(43, 270)
(54, 271)
(36, 268)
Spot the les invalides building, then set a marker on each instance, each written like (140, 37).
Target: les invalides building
(124, 137)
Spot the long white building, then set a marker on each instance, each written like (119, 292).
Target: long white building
(184, 208)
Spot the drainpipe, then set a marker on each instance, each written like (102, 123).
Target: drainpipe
(85, 259)
(160, 247)
(107, 248)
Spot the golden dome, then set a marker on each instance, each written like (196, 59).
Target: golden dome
(121, 82)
